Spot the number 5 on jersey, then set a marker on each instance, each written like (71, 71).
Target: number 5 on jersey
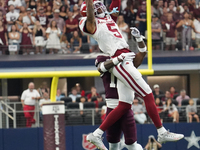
(112, 27)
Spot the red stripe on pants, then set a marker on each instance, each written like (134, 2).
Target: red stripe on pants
(29, 115)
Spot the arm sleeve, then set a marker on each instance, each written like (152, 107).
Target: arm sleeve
(115, 3)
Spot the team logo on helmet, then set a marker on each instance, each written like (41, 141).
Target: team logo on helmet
(87, 145)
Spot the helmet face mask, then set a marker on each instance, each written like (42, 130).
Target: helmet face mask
(100, 10)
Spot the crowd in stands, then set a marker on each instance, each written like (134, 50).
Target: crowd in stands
(172, 106)
(35, 27)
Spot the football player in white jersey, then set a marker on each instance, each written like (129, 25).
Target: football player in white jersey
(100, 25)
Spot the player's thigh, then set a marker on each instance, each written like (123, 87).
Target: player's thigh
(128, 127)
(113, 133)
(132, 78)
(125, 93)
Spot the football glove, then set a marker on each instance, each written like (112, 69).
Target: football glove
(114, 11)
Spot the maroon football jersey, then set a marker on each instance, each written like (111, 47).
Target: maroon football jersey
(109, 80)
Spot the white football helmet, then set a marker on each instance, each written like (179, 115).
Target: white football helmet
(100, 10)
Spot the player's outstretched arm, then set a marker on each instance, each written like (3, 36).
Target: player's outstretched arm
(90, 23)
(141, 47)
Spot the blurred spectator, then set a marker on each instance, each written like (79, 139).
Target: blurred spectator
(138, 111)
(167, 96)
(71, 25)
(28, 19)
(76, 13)
(44, 100)
(49, 13)
(103, 112)
(63, 12)
(172, 91)
(181, 97)
(11, 17)
(177, 16)
(2, 9)
(59, 95)
(156, 90)
(156, 29)
(42, 3)
(79, 89)
(159, 106)
(160, 7)
(76, 42)
(38, 37)
(59, 21)
(42, 18)
(187, 25)
(141, 17)
(72, 3)
(99, 99)
(196, 12)
(65, 45)
(57, 4)
(16, 3)
(74, 94)
(21, 15)
(123, 27)
(181, 6)
(81, 103)
(197, 35)
(93, 45)
(170, 29)
(163, 18)
(129, 14)
(28, 99)
(171, 9)
(32, 4)
(26, 43)
(2, 18)
(191, 111)
(53, 42)
(43, 89)
(191, 5)
(185, 7)
(152, 144)
(172, 110)
(3, 38)
(14, 36)
(154, 8)
(92, 94)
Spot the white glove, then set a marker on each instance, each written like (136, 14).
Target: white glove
(136, 33)
(127, 56)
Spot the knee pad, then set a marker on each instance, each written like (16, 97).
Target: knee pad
(114, 146)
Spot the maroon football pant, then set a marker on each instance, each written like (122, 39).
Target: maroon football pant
(125, 124)
(29, 115)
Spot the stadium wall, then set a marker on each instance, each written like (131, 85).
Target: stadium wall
(32, 138)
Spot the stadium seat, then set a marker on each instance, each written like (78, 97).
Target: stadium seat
(100, 104)
(175, 102)
(185, 102)
(198, 102)
(87, 92)
(175, 96)
(88, 105)
(72, 105)
(85, 48)
(78, 99)
(74, 120)
(66, 100)
(93, 99)
(161, 96)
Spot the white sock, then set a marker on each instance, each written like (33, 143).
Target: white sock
(161, 130)
(98, 132)
(134, 146)
(114, 146)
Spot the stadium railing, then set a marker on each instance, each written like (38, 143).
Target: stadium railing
(12, 115)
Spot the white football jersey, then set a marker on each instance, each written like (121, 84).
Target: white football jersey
(107, 34)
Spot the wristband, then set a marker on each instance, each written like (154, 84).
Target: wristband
(115, 60)
(102, 67)
(144, 49)
(139, 39)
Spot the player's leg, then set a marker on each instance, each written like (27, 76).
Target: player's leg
(113, 134)
(128, 126)
(132, 78)
(117, 113)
